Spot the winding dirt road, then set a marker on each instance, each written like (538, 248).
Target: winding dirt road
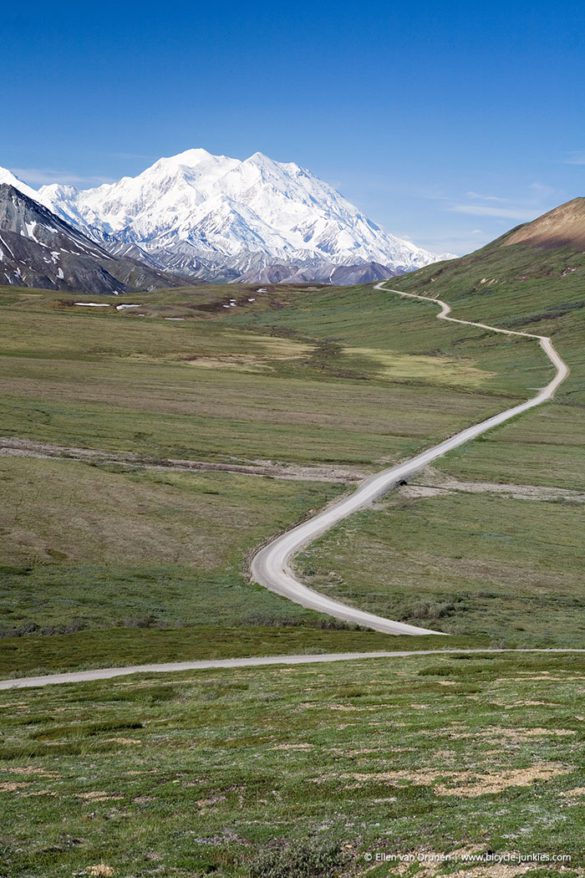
(271, 566)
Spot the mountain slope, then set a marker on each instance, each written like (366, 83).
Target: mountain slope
(562, 227)
(548, 249)
(532, 278)
(38, 248)
(216, 217)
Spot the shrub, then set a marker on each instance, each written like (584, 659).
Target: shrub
(299, 860)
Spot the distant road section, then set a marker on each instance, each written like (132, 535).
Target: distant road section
(271, 566)
(235, 663)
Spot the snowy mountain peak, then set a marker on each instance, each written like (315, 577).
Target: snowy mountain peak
(263, 161)
(288, 168)
(227, 218)
(189, 156)
(196, 159)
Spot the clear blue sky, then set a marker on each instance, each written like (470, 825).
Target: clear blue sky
(447, 122)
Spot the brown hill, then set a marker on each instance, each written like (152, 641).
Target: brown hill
(562, 227)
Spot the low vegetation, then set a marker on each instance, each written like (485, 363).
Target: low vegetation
(346, 377)
(499, 565)
(306, 771)
(101, 546)
(153, 568)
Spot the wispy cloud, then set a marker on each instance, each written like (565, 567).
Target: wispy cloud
(47, 175)
(575, 158)
(543, 190)
(456, 241)
(429, 193)
(512, 213)
(478, 197)
(536, 197)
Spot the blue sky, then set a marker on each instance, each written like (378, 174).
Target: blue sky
(446, 122)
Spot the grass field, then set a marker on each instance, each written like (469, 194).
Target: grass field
(264, 383)
(87, 546)
(290, 772)
(154, 567)
(465, 563)
(272, 773)
(333, 377)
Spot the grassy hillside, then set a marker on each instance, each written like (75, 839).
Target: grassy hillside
(302, 771)
(537, 290)
(90, 546)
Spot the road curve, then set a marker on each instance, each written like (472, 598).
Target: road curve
(271, 565)
(253, 662)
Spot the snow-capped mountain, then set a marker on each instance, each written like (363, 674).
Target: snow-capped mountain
(215, 218)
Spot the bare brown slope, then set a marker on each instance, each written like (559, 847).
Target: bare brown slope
(562, 227)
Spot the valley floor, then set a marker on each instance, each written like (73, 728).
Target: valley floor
(160, 423)
(118, 558)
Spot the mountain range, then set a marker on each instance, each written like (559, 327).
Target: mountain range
(214, 218)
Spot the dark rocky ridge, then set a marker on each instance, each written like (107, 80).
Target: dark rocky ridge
(38, 249)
